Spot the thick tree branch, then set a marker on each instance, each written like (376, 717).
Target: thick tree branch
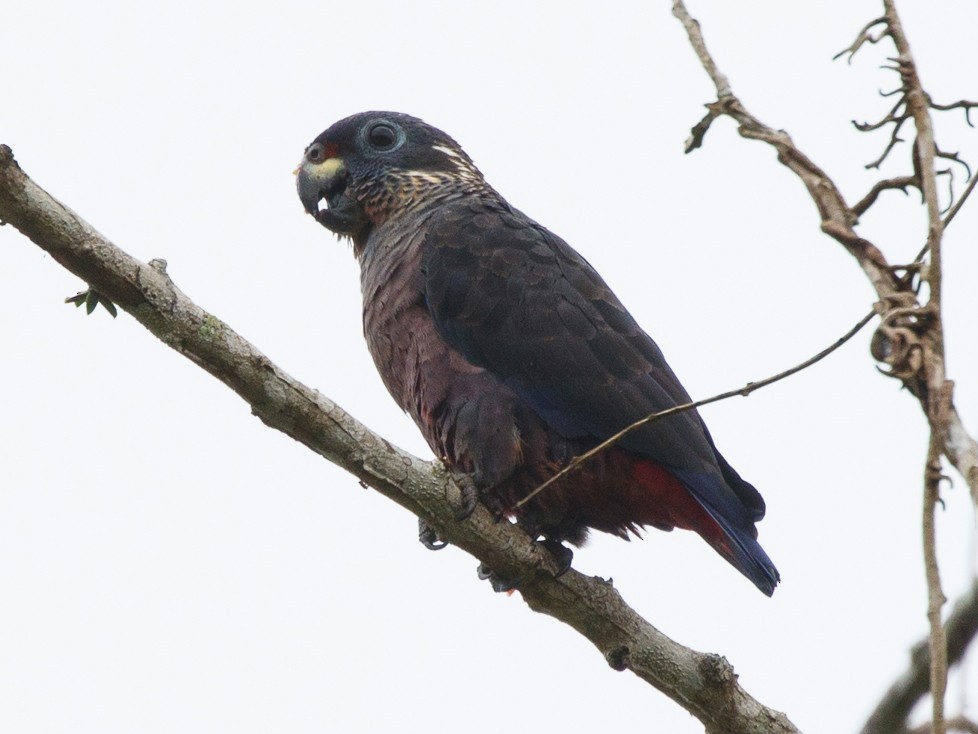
(704, 684)
(960, 629)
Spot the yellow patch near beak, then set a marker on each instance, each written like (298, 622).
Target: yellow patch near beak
(328, 168)
(319, 171)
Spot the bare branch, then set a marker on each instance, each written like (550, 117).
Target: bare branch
(900, 182)
(937, 399)
(698, 132)
(953, 211)
(954, 157)
(962, 104)
(937, 641)
(890, 117)
(699, 46)
(865, 36)
(895, 139)
(951, 214)
(960, 629)
(837, 217)
(703, 684)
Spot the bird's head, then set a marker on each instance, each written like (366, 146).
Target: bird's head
(372, 166)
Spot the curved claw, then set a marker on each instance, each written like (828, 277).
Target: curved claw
(561, 553)
(470, 496)
(429, 536)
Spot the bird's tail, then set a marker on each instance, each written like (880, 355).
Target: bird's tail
(734, 535)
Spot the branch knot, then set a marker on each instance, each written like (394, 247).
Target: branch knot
(898, 341)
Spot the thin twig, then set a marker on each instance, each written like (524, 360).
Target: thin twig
(895, 140)
(962, 104)
(864, 37)
(954, 158)
(953, 211)
(951, 214)
(742, 391)
(891, 117)
(900, 182)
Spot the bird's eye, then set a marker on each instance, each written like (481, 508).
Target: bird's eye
(382, 136)
(316, 153)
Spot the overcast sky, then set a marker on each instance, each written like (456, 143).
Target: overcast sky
(168, 563)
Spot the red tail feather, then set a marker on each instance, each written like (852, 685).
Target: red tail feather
(666, 503)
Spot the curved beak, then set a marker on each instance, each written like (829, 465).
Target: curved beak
(318, 181)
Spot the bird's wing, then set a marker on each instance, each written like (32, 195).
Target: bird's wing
(515, 299)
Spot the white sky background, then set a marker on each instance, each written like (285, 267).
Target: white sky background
(167, 563)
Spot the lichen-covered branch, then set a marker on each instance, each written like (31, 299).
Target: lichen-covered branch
(703, 684)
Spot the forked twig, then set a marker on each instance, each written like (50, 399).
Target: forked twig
(864, 37)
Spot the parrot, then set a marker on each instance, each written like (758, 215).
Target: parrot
(513, 356)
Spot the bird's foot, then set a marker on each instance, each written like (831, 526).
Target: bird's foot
(469, 495)
(498, 584)
(429, 536)
(561, 553)
(463, 507)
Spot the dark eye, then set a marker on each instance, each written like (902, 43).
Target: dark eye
(316, 153)
(382, 136)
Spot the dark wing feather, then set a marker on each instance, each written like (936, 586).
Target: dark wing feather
(517, 300)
